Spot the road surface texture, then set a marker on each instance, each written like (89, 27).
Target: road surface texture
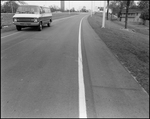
(39, 74)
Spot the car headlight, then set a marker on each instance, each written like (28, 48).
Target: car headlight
(15, 19)
(35, 20)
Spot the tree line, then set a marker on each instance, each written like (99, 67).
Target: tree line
(11, 6)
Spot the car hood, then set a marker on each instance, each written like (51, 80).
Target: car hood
(26, 15)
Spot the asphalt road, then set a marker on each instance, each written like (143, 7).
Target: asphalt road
(39, 74)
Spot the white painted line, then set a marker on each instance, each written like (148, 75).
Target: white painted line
(10, 34)
(5, 26)
(65, 18)
(82, 100)
(12, 46)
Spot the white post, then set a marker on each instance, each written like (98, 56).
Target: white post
(69, 7)
(104, 14)
(79, 10)
(45, 3)
(91, 8)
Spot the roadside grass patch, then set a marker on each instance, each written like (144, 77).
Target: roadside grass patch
(131, 49)
(133, 26)
(6, 19)
(138, 30)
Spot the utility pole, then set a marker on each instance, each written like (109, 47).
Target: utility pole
(127, 9)
(104, 9)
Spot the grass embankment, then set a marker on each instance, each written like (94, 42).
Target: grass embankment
(132, 49)
(7, 20)
(135, 26)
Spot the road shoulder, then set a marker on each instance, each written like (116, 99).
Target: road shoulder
(115, 92)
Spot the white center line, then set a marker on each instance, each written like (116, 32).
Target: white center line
(65, 18)
(10, 34)
(12, 46)
(82, 101)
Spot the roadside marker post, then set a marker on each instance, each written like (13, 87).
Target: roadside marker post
(104, 14)
(69, 7)
(91, 8)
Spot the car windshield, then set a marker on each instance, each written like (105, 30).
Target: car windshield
(28, 10)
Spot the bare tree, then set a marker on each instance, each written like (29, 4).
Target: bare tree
(122, 4)
(11, 3)
(107, 8)
(127, 9)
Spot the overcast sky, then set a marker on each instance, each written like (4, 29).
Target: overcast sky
(76, 4)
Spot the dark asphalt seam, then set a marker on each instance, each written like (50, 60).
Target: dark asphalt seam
(91, 112)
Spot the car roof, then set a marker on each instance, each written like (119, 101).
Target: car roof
(32, 5)
(35, 6)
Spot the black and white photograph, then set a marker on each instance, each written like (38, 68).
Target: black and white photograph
(75, 59)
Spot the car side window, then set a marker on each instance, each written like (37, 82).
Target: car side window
(47, 10)
(41, 11)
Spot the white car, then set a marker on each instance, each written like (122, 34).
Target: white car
(32, 16)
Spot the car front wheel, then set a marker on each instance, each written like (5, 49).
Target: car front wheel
(18, 28)
(49, 24)
(40, 26)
